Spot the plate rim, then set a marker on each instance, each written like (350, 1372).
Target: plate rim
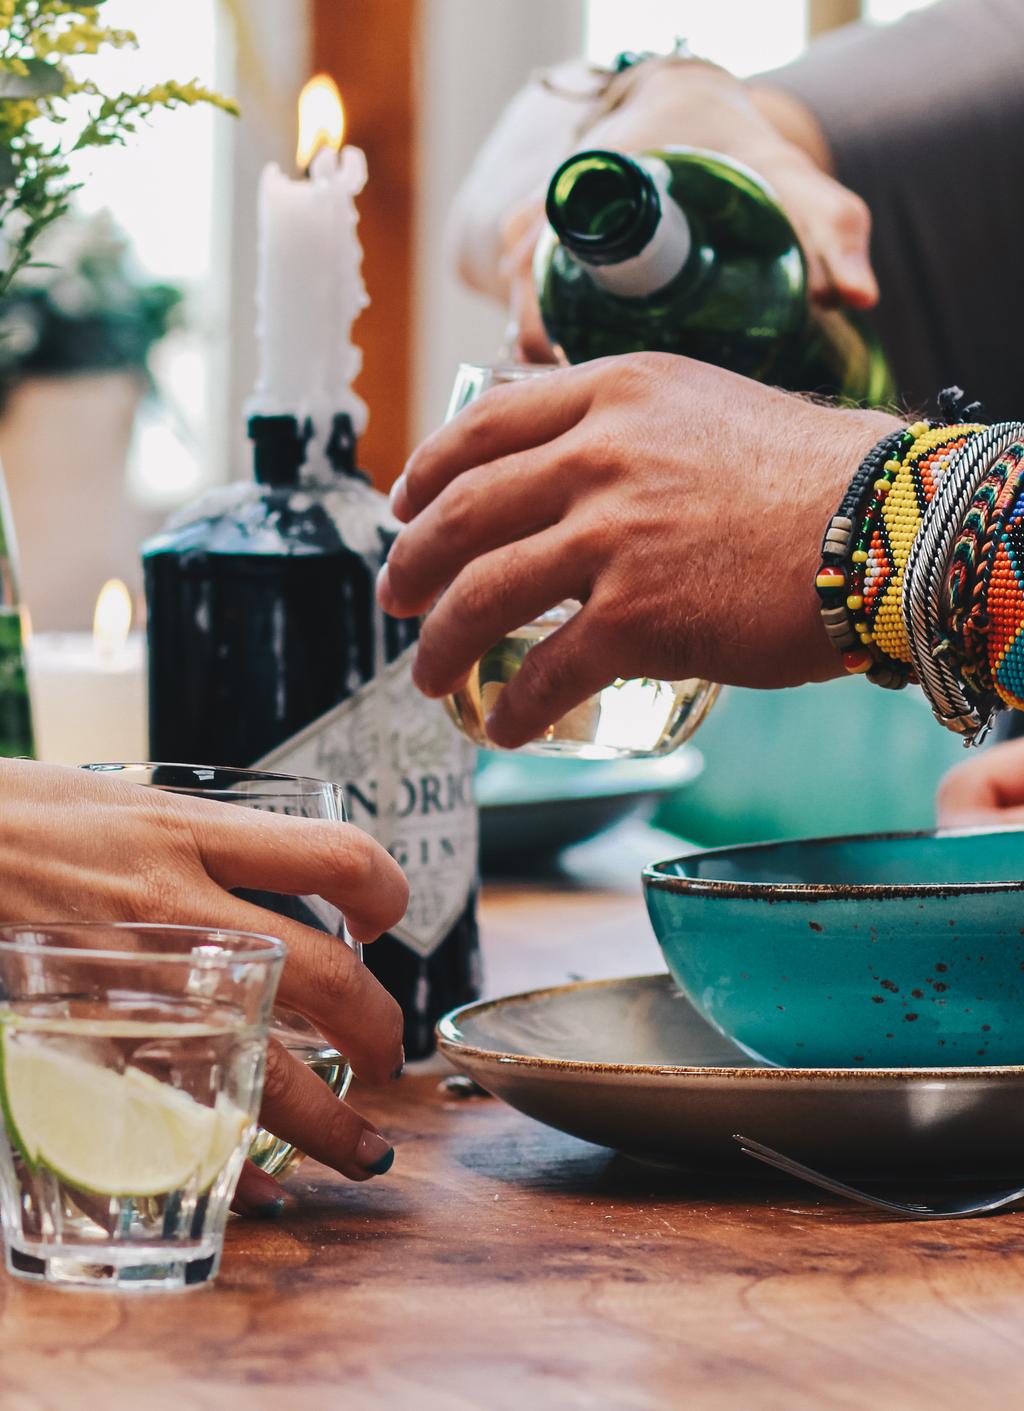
(450, 1045)
(686, 754)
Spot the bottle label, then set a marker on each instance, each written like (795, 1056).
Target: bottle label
(662, 257)
(407, 775)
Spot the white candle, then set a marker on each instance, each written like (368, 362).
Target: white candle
(87, 705)
(89, 689)
(310, 288)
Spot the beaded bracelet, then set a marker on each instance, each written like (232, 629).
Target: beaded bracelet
(838, 552)
(937, 658)
(964, 607)
(922, 565)
(1005, 609)
(857, 562)
(899, 519)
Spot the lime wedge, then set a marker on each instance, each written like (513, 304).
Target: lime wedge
(106, 1132)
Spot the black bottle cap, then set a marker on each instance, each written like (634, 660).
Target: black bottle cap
(279, 448)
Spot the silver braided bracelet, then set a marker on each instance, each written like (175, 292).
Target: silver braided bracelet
(925, 573)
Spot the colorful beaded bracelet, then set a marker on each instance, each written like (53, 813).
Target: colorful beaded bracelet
(838, 551)
(964, 607)
(936, 654)
(895, 528)
(1005, 610)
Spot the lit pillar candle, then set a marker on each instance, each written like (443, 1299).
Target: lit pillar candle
(89, 689)
(310, 288)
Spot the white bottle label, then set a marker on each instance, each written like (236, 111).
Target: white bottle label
(662, 257)
(407, 775)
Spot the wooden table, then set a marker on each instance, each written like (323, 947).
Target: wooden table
(503, 1265)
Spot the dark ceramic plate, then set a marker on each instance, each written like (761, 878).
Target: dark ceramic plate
(630, 1064)
(532, 807)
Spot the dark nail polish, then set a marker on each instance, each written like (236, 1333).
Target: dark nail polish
(374, 1153)
(267, 1210)
(383, 1163)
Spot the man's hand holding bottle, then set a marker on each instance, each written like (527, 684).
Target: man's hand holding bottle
(690, 103)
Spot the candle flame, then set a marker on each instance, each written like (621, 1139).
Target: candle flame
(112, 619)
(321, 119)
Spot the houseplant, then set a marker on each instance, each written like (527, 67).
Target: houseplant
(50, 109)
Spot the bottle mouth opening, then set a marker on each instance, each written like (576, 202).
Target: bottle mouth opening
(602, 202)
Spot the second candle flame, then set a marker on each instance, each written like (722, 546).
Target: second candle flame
(321, 119)
(112, 620)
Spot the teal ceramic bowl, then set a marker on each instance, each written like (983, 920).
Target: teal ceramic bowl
(884, 951)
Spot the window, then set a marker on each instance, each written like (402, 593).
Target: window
(745, 36)
(885, 11)
(162, 190)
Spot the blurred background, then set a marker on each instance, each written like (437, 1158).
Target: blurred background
(107, 426)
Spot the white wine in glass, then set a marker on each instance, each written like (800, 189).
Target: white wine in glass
(627, 719)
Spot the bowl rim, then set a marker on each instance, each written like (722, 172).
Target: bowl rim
(655, 878)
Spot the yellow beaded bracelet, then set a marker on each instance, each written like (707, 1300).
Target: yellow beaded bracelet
(906, 488)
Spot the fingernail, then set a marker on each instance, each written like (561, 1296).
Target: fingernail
(401, 1066)
(374, 1154)
(396, 490)
(258, 1194)
(382, 584)
(269, 1210)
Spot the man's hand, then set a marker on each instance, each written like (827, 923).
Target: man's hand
(682, 505)
(698, 105)
(76, 846)
(986, 790)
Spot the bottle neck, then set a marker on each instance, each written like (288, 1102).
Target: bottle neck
(616, 217)
(279, 448)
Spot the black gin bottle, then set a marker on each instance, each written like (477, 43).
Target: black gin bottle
(266, 647)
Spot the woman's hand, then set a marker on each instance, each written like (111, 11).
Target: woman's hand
(76, 846)
(987, 790)
(682, 505)
(699, 105)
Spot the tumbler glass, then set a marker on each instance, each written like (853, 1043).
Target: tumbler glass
(299, 798)
(131, 1069)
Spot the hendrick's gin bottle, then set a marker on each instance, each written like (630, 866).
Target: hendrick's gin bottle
(266, 647)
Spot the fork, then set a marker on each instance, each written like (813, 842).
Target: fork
(950, 1210)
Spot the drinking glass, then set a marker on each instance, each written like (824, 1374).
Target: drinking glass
(131, 1068)
(627, 719)
(299, 798)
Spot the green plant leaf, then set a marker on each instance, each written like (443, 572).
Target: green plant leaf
(43, 80)
(8, 168)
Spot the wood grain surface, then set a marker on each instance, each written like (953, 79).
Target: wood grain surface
(505, 1267)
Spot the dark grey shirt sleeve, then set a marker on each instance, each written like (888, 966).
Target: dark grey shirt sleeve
(926, 121)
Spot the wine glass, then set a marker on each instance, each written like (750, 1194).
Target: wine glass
(627, 719)
(298, 798)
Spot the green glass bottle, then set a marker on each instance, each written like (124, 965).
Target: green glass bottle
(16, 739)
(685, 251)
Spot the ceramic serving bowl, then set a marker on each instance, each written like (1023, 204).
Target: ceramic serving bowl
(900, 950)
